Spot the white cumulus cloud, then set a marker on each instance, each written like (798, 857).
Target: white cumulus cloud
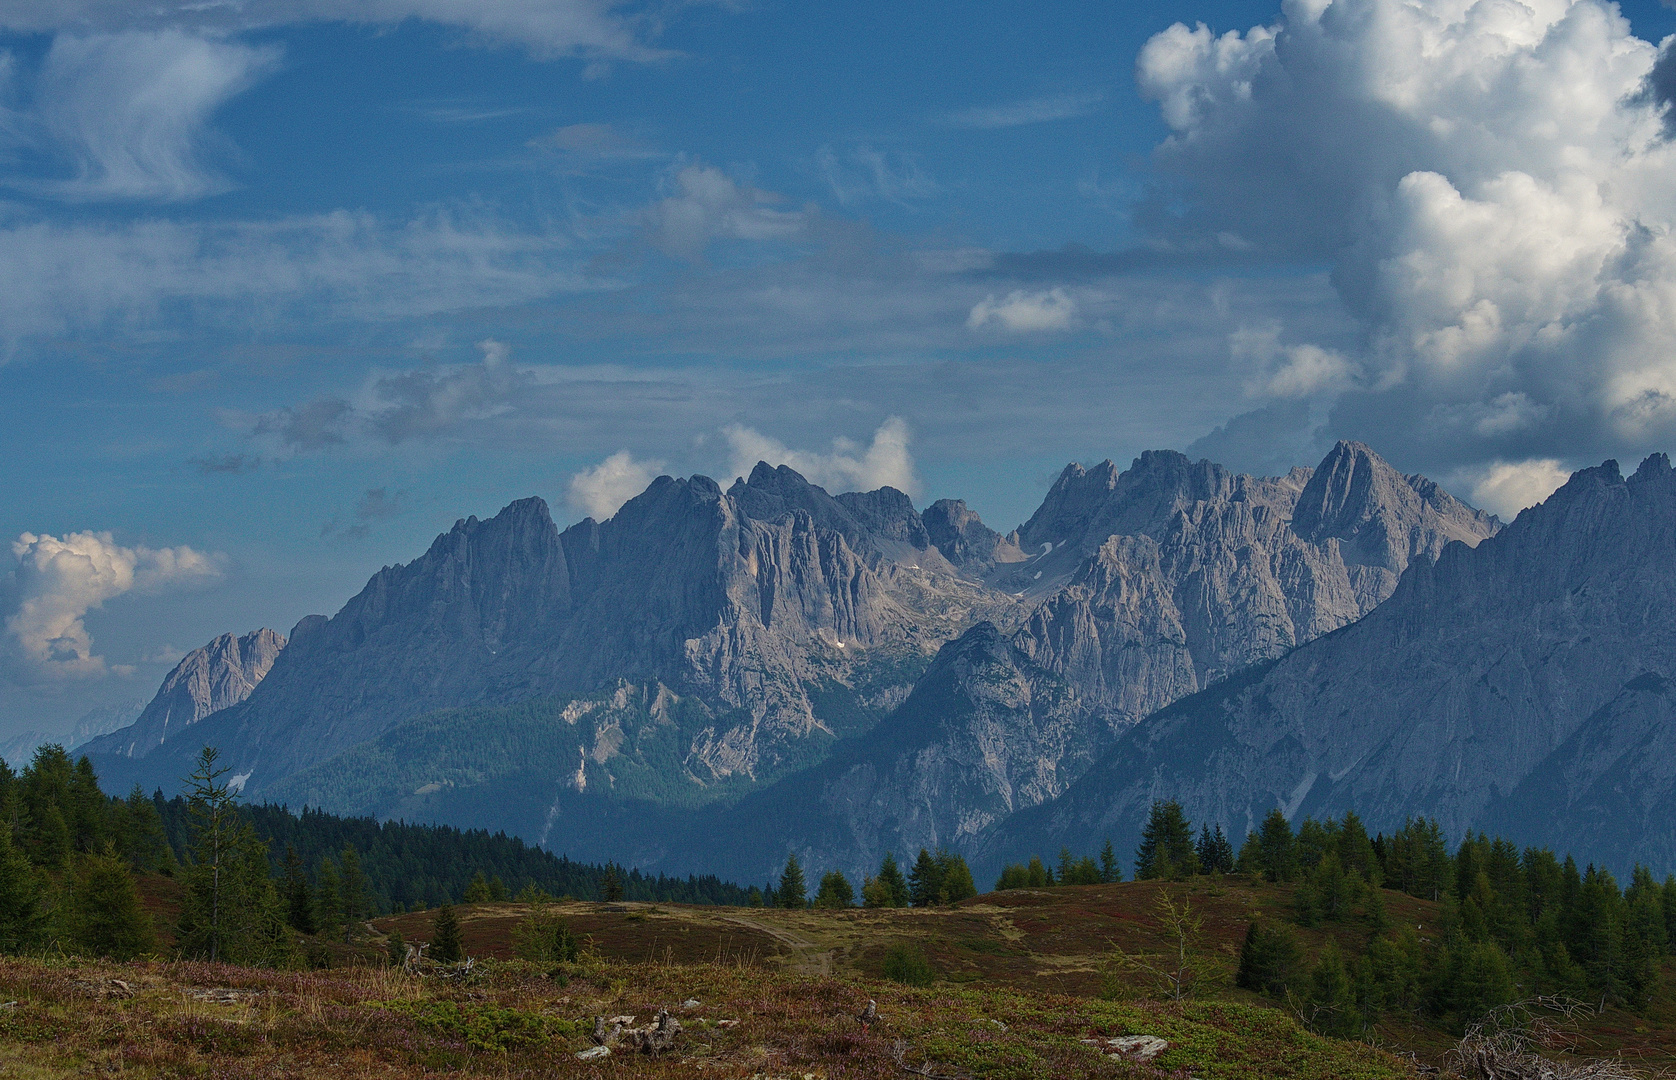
(601, 490)
(58, 580)
(1025, 311)
(1289, 371)
(1490, 182)
(1505, 488)
(885, 462)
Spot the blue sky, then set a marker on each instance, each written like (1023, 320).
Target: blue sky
(282, 294)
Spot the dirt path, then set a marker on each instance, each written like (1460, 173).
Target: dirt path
(807, 956)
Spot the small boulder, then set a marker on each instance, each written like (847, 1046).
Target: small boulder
(1137, 1048)
(594, 1053)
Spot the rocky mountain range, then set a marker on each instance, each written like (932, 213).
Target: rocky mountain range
(221, 674)
(1522, 685)
(723, 675)
(1210, 573)
(784, 617)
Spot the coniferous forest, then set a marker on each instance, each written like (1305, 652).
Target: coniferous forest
(1512, 924)
(71, 857)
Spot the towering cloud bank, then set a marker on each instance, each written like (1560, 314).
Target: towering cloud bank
(1489, 182)
(58, 580)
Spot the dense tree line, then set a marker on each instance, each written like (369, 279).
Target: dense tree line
(1072, 871)
(1512, 923)
(935, 880)
(413, 866)
(252, 878)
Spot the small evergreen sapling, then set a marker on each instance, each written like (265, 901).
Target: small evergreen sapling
(446, 947)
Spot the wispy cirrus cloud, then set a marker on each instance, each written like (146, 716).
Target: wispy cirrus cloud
(1038, 110)
(600, 29)
(128, 115)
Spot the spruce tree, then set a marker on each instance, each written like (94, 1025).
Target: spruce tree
(214, 825)
(1037, 875)
(1205, 848)
(1276, 848)
(103, 915)
(1224, 851)
(1110, 871)
(445, 936)
(353, 900)
(954, 879)
(1331, 999)
(299, 898)
(141, 838)
(477, 892)
(231, 911)
(1166, 848)
(20, 897)
(88, 812)
(1270, 959)
(328, 898)
(835, 891)
(44, 808)
(925, 881)
(895, 884)
(792, 893)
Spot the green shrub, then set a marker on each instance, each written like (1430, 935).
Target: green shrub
(545, 938)
(907, 965)
(483, 1027)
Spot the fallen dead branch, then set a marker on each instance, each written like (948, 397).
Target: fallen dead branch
(1508, 1044)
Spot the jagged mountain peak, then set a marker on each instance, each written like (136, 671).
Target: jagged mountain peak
(1653, 467)
(223, 672)
(964, 540)
(1381, 517)
(1535, 663)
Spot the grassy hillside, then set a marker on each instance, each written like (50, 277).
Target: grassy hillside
(1032, 942)
(1023, 986)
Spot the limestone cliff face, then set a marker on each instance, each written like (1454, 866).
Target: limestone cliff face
(220, 674)
(771, 627)
(1381, 519)
(965, 541)
(1207, 575)
(791, 616)
(1494, 687)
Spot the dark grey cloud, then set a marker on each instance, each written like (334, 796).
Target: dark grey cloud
(233, 464)
(1266, 441)
(1661, 84)
(311, 426)
(375, 505)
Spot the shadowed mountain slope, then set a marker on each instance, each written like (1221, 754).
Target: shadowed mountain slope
(1496, 687)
